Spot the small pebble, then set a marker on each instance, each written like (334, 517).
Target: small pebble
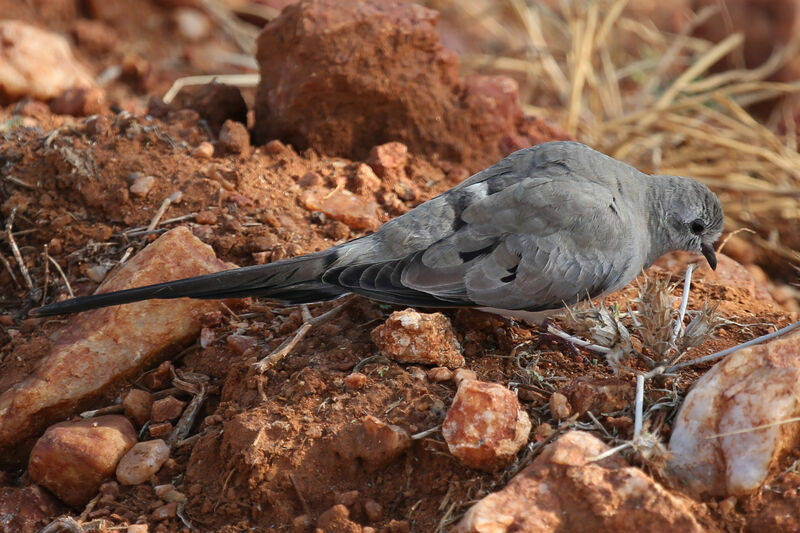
(274, 147)
(142, 461)
(160, 429)
(142, 185)
(542, 432)
(239, 344)
(204, 150)
(417, 373)
(355, 381)
(309, 179)
(374, 510)
(460, 374)
(168, 408)
(347, 498)
(138, 528)
(97, 273)
(137, 404)
(192, 24)
(206, 217)
(727, 506)
(438, 374)
(234, 137)
(559, 406)
(166, 511)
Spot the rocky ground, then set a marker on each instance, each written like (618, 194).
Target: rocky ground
(369, 422)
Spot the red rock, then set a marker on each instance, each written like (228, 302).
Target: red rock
(142, 462)
(752, 387)
(365, 180)
(109, 491)
(137, 405)
(234, 138)
(32, 108)
(104, 10)
(142, 185)
(160, 429)
(344, 206)
(485, 426)
(37, 63)
(94, 36)
(120, 340)
(732, 274)
(599, 395)
(216, 103)
(337, 518)
(341, 76)
(138, 528)
(542, 432)
(460, 374)
(438, 374)
(239, 344)
(302, 523)
(409, 336)
(496, 100)
(97, 126)
(538, 130)
(355, 381)
(138, 72)
(72, 459)
(204, 150)
(373, 510)
(158, 378)
(388, 160)
(559, 406)
(26, 509)
(6, 320)
(206, 217)
(741, 251)
(347, 498)
(168, 408)
(564, 489)
(373, 441)
(165, 512)
(309, 179)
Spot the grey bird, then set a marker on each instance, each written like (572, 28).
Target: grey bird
(547, 225)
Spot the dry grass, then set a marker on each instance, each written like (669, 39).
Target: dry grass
(648, 97)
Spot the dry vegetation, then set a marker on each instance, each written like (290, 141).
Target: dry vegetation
(649, 97)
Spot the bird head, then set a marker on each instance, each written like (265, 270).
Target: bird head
(694, 217)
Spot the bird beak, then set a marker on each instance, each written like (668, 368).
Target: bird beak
(711, 257)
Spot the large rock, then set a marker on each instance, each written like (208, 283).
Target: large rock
(97, 348)
(486, 426)
(26, 509)
(344, 75)
(409, 336)
(73, 458)
(715, 446)
(36, 63)
(565, 489)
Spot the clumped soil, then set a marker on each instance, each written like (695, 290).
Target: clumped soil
(271, 448)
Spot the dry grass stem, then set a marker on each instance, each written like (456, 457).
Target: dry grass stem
(15, 249)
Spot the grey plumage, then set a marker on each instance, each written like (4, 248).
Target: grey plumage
(546, 225)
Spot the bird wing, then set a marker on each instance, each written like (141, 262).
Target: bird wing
(509, 241)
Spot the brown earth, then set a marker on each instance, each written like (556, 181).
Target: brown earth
(277, 449)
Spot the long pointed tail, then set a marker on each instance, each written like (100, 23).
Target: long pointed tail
(292, 281)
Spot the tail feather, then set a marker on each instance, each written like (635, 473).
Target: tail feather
(292, 281)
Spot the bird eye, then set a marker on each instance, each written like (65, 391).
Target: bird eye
(697, 226)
